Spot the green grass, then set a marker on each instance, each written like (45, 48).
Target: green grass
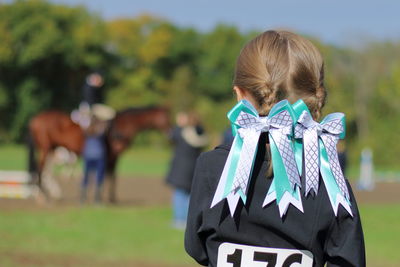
(381, 225)
(128, 233)
(114, 234)
(150, 161)
(102, 233)
(13, 157)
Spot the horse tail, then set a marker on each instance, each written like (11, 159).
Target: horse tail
(32, 162)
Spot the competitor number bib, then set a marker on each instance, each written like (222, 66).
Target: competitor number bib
(235, 255)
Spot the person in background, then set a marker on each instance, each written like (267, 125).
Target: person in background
(92, 89)
(227, 136)
(91, 95)
(94, 150)
(188, 138)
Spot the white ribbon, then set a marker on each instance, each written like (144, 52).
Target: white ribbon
(329, 132)
(279, 126)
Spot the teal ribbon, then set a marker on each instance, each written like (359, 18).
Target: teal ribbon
(281, 189)
(330, 169)
(233, 114)
(247, 127)
(333, 128)
(298, 109)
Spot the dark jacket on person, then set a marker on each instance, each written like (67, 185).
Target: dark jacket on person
(92, 94)
(337, 241)
(184, 159)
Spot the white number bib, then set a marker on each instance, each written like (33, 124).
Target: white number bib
(235, 255)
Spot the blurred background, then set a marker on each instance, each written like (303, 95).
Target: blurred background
(178, 55)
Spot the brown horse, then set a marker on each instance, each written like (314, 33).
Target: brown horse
(48, 130)
(51, 129)
(124, 127)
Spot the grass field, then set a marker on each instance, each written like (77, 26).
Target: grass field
(135, 236)
(382, 234)
(112, 235)
(131, 235)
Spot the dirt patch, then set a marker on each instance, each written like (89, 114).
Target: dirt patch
(28, 259)
(144, 191)
(149, 191)
(152, 191)
(383, 193)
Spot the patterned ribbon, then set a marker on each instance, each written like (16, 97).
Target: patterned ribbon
(319, 147)
(247, 127)
(285, 186)
(308, 130)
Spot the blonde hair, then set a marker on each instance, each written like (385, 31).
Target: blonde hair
(280, 65)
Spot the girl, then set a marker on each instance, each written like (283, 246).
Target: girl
(245, 227)
(94, 154)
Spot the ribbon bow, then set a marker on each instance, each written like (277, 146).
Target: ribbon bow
(247, 127)
(319, 142)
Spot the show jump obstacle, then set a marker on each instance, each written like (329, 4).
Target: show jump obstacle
(16, 184)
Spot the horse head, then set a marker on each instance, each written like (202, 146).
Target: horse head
(162, 119)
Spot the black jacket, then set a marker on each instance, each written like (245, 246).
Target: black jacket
(337, 241)
(182, 166)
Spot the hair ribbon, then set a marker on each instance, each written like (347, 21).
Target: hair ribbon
(247, 127)
(318, 143)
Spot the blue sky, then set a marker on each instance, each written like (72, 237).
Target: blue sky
(333, 21)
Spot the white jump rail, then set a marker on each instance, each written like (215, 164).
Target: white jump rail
(15, 184)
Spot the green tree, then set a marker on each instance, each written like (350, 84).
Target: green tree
(219, 51)
(140, 44)
(45, 52)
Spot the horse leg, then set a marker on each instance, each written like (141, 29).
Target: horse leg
(32, 163)
(49, 182)
(113, 187)
(99, 179)
(42, 162)
(112, 179)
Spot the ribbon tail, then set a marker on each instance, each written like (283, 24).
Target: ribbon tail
(293, 198)
(281, 189)
(288, 197)
(226, 179)
(245, 163)
(335, 195)
(344, 202)
(330, 146)
(311, 164)
(286, 154)
(271, 195)
(298, 153)
(237, 171)
(233, 200)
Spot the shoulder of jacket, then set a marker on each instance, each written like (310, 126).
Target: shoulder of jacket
(219, 153)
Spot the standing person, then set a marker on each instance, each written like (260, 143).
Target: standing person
(94, 150)
(189, 139)
(252, 204)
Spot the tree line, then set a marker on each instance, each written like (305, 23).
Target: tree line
(47, 49)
